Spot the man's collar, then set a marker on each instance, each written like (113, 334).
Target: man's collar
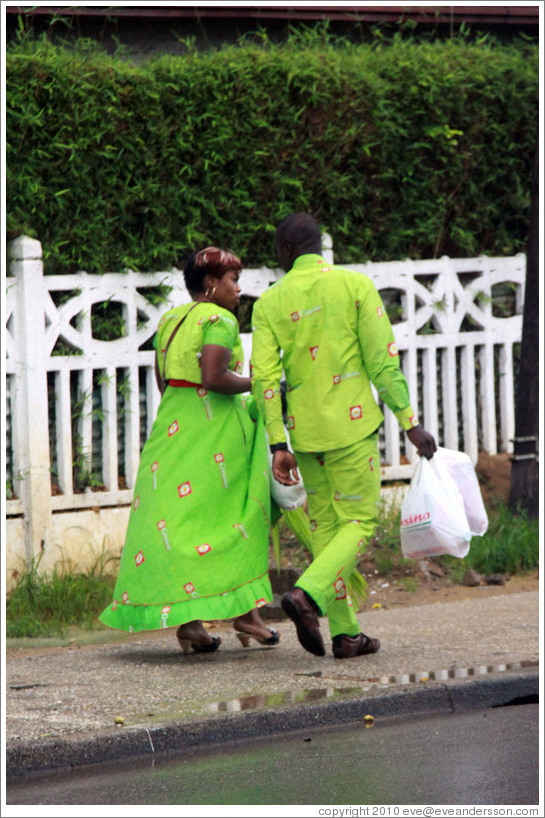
(307, 258)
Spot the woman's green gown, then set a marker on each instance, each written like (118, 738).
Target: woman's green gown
(197, 543)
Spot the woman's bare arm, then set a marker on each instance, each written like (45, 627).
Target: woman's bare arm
(216, 374)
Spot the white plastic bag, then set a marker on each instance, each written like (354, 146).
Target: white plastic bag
(460, 468)
(433, 517)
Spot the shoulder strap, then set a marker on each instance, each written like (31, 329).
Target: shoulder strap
(161, 378)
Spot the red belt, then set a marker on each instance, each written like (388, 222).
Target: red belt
(183, 383)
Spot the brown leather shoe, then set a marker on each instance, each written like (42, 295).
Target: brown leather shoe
(297, 606)
(345, 646)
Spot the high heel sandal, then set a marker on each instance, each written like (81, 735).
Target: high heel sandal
(188, 645)
(244, 638)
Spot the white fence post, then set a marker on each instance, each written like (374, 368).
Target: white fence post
(29, 395)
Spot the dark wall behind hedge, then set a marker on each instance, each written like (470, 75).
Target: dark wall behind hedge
(400, 150)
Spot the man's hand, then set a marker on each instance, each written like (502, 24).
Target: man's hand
(284, 468)
(424, 442)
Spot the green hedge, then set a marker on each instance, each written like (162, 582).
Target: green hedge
(400, 150)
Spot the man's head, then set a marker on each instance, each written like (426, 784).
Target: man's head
(297, 235)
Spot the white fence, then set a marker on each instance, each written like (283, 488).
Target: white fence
(76, 422)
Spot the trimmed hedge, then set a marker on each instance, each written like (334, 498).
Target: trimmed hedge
(400, 150)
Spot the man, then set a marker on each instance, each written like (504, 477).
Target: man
(326, 327)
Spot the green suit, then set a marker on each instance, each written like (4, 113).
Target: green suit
(327, 328)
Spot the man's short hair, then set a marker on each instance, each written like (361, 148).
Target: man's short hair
(299, 230)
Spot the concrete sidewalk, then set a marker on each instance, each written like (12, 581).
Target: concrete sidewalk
(62, 703)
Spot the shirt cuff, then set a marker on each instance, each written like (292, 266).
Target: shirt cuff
(407, 418)
(277, 447)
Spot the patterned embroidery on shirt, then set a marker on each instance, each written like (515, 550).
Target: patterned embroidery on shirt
(291, 422)
(380, 312)
(173, 428)
(355, 412)
(313, 352)
(340, 588)
(139, 558)
(392, 350)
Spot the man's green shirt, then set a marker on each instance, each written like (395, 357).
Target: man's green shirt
(327, 328)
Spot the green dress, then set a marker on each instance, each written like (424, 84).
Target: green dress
(197, 543)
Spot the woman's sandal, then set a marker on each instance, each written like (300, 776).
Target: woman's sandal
(244, 638)
(188, 645)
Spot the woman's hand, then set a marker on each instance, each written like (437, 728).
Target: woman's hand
(216, 374)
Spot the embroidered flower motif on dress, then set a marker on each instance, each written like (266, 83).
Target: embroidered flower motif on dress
(295, 316)
(154, 467)
(162, 526)
(372, 463)
(203, 549)
(238, 367)
(260, 602)
(220, 462)
(413, 420)
(189, 588)
(313, 352)
(291, 422)
(173, 428)
(392, 350)
(242, 530)
(355, 412)
(139, 558)
(114, 604)
(203, 394)
(184, 489)
(380, 312)
(164, 616)
(124, 597)
(136, 502)
(313, 525)
(269, 393)
(214, 318)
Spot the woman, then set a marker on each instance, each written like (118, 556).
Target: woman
(197, 544)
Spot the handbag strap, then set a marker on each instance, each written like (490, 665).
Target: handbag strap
(161, 378)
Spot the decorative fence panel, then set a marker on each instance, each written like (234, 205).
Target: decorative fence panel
(79, 407)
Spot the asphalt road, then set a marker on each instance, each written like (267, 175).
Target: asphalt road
(479, 757)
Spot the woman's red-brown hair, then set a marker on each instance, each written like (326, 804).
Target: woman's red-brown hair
(213, 261)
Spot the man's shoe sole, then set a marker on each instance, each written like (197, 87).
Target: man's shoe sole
(311, 642)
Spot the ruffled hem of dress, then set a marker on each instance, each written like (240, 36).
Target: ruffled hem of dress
(136, 618)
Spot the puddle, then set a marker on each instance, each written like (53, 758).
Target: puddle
(328, 692)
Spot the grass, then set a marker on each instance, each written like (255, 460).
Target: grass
(48, 604)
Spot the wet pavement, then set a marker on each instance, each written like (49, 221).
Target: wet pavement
(132, 696)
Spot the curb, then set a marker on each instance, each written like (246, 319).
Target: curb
(452, 697)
